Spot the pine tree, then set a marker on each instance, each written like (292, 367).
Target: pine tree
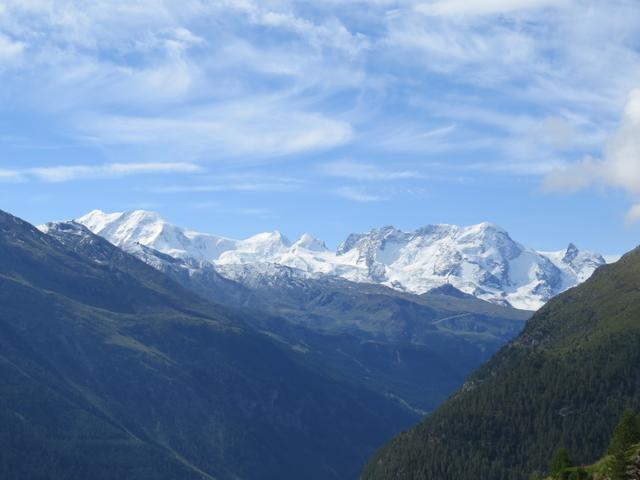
(579, 474)
(559, 462)
(624, 436)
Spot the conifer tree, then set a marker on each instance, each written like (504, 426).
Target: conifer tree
(626, 433)
(559, 462)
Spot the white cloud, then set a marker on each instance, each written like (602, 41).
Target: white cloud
(363, 171)
(219, 207)
(252, 127)
(255, 186)
(622, 163)
(140, 57)
(259, 212)
(327, 33)
(573, 177)
(288, 77)
(65, 173)
(9, 49)
(481, 51)
(358, 195)
(620, 167)
(483, 7)
(398, 138)
(633, 214)
(252, 181)
(10, 176)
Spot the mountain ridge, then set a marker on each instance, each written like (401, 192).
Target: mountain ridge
(481, 260)
(110, 369)
(354, 328)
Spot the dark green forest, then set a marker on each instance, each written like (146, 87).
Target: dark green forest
(563, 382)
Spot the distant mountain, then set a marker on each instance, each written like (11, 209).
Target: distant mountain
(414, 349)
(481, 260)
(563, 382)
(110, 369)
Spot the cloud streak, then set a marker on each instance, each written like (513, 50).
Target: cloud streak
(67, 173)
(358, 195)
(483, 7)
(10, 176)
(251, 127)
(364, 171)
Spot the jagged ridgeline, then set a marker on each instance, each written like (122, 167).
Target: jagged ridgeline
(563, 381)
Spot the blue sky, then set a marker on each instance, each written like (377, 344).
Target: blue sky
(239, 116)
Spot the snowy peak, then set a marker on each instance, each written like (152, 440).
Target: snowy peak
(259, 248)
(570, 254)
(268, 240)
(124, 227)
(97, 220)
(79, 238)
(149, 229)
(349, 244)
(68, 228)
(480, 260)
(577, 264)
(309, 242)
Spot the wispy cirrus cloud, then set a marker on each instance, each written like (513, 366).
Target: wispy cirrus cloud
(356, 194)
(263, 84)
(364, 171)
(483, 7)
(10, 175)
(201, 90)
(66, 173)
(240, 182)
(218, 187)
(251, 127)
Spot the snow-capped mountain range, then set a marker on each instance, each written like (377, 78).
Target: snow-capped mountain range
(481, 260)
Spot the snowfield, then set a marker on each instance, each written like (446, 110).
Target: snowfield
(482, 260)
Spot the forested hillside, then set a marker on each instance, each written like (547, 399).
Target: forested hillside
(563, 381)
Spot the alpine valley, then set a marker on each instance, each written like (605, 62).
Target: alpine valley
(133, 348)
(109, 369)
(414, 349)
(320, 240)
(415, 345)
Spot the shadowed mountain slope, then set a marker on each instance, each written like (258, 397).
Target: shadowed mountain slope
(416, 349)
(109, 369)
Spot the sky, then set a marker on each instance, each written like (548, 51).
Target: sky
(330, 117)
